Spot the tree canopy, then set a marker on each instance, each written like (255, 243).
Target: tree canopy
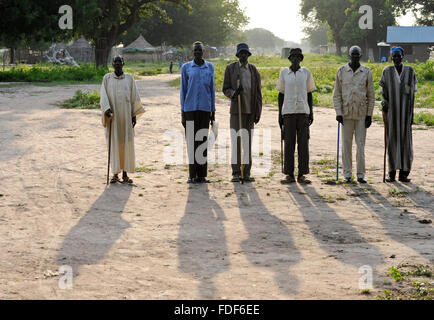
(262, 38)
(210, 21)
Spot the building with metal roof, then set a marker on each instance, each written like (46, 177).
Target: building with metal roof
(417, 41)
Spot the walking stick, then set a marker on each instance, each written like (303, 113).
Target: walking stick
(385, 145)
(281, 148)
(109, 129)
(337, 157)
(241, 134)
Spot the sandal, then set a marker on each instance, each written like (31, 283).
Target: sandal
(303, 180)
(289, 179)
(235, 178)
(127, 180)
(115, 179)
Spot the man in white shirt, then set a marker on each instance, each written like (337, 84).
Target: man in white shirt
(295, 86)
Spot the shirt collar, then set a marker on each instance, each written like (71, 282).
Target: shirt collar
(240, 65)
(348, 68)
(290, 70)
(122, 76)
(205, 65)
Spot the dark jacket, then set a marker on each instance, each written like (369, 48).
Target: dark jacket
(232, 74)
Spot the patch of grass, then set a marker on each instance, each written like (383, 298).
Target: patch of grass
(83, 100)
(415, 283)
(365, 291)
(168, 166)
(395, 273)
(330, 199)
(426, 118)
(145, 169)
(397, 193)
(176, 83)
(46, 72)
(420, 270)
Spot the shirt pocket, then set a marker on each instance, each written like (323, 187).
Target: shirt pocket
(206, 77)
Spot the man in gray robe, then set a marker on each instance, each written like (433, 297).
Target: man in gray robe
(399, 85)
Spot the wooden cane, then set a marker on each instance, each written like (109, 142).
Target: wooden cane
(337, 156)
(241, 134)
(385, 145)
(282, 148)
(109, 129)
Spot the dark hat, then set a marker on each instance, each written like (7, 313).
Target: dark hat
(296, 51)
(241, 47)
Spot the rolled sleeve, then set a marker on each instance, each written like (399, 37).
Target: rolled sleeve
(280, 85)
(310, 83)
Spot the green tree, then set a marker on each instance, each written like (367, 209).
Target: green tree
(383, 16)
(316, 33)
(210, 21)
(27, 23)
(104, 21)
(262, 38)
(331, 12)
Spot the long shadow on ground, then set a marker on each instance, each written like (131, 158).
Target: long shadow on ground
(202, 247)
(269, 238)
(416, 236)
(89, 241)
(336, 236)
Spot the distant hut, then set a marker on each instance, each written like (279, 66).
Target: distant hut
(383, 51)
(416, 41)
(82, 51)
(141, 50)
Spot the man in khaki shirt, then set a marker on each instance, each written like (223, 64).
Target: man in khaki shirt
(354, 100)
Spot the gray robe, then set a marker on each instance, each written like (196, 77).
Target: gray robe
(398, 96)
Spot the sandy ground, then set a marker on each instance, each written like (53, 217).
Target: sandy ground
(163, 239)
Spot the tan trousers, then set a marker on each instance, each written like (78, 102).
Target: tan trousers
(351, 128)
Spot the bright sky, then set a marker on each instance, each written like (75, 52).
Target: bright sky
(283, 19)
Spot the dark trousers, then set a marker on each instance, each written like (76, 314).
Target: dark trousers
(247, 122)
(296, 129)
(195, 121)
(402, 174)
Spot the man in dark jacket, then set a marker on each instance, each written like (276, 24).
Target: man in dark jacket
(249, 90)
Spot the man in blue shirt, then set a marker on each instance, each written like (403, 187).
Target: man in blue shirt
(197, 110)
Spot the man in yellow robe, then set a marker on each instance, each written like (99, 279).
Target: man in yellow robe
(120, 97)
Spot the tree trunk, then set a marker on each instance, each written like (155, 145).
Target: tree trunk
(338, 47)
(12, 56)
(102, 52)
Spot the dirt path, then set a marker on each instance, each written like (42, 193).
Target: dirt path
(162, 239)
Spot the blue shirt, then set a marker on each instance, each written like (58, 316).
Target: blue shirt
(197, 87)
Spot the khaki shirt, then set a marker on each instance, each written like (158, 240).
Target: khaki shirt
(295, 87)
(354, 94)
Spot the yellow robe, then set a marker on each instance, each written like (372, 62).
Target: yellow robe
(120, 94)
